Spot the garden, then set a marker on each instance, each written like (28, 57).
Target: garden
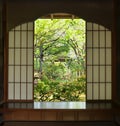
(59, 60)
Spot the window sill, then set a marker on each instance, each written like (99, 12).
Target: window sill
(60, 105)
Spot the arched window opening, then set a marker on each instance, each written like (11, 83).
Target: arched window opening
(33, 58)
(59, 58)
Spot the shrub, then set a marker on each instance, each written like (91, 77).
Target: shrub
(60, 91)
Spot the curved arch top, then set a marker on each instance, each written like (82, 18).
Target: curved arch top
(96, 11)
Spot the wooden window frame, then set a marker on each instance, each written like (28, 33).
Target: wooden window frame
(113, 46)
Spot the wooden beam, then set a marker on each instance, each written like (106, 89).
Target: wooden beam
(1, 54)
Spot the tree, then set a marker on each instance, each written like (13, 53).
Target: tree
(58, 40)
(59, 57)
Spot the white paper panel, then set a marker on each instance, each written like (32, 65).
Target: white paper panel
(23, 91)
(30, 39)
(96, 74)
(17, 73)
(102, 56)
(89, 26)
(89, 39)
(11, 39)
(30, 91)
(102, 39)
(95, 91)
(23, 74)
(108, 56)
(11, 56)
(24, 39)
(95, 39)
(17, 56)
(89, 91)
(95, 26)
(30, 26)
(102, 73)
(108, 91)
(89, 56)
(24, 26)
(17, 91)
(102, 91)
(30, 56)
(23, 56)
(89, 74)
(108, 39)
(17, 39)
(95, 56)
(17, 28)
(11, 74)
(102, 27)
(10, 91)
(30, 74)
(108, 74)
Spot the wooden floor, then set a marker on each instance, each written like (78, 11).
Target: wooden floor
(60, 114)
(60, 124)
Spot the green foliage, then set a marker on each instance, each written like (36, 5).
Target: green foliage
(59, 58)
(54, 71)
(55, 91)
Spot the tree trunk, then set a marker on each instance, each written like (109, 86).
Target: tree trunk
(41, 59)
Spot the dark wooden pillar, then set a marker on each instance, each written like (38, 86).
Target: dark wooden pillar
(117, 31)
(1, 55)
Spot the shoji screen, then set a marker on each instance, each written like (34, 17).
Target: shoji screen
(20, 62)
(99, 67)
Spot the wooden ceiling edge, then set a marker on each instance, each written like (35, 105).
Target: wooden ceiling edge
(59, 16)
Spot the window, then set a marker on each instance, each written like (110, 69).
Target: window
(20, 62)
(59, 60)
(98, 62)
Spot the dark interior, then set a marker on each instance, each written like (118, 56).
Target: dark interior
(104, 12)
